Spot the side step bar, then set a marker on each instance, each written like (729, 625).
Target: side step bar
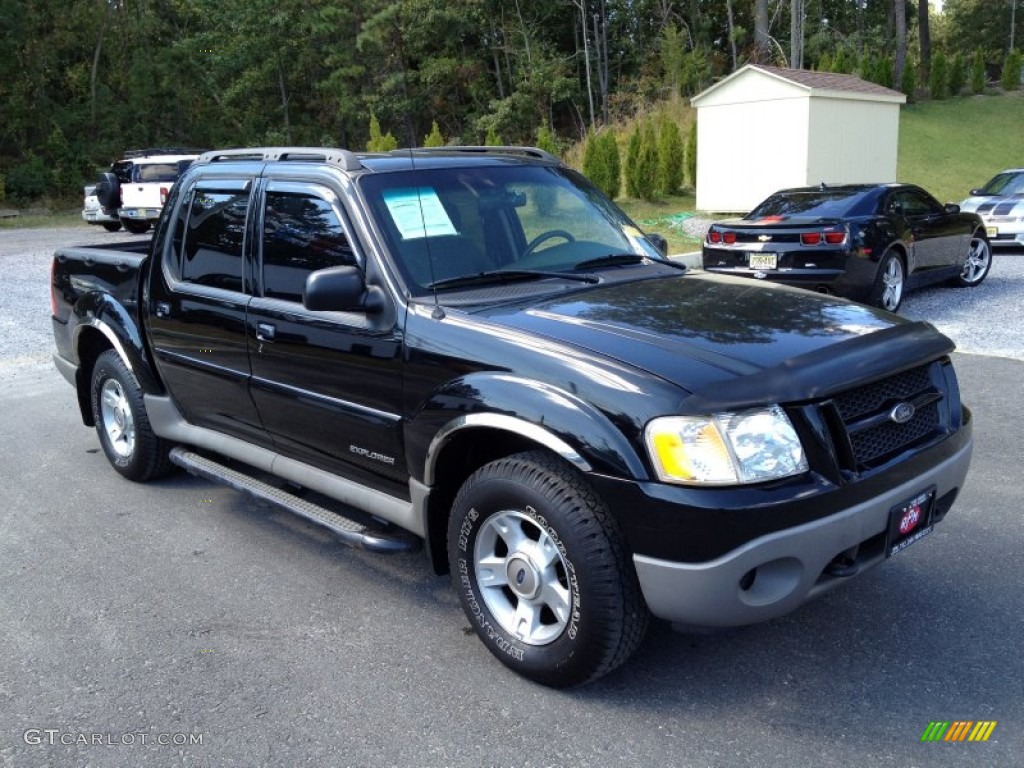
(348, 531)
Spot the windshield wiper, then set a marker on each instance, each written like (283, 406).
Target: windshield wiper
(508, 276)
(625, 259)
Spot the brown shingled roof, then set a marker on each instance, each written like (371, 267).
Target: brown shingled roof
(828, 81)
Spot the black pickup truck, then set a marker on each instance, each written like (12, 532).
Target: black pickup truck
(472, 350)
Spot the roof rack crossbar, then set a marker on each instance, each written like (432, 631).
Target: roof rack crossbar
(516, 150)
(343, 158)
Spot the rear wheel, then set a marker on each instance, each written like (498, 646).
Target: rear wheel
(122, 425)
(541, 569)
(112, 226)
(890, 281)
(976, 264)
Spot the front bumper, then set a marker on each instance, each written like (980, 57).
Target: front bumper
(773, 574)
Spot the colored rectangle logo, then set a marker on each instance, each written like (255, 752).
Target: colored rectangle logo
(959, 730)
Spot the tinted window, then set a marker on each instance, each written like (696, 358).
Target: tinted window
(213, 239)
(823, 203)
(301, 234)
(909, 202)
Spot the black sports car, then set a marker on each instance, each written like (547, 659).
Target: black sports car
(868, 242)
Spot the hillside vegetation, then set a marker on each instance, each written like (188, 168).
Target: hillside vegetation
(949, 147)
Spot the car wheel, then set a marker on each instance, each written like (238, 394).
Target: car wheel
(890, 281)
(977, 263)
(135, 227)
(112, 226)
(542, 571)
(119, 414)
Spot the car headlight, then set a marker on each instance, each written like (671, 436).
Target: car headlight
(725, 448)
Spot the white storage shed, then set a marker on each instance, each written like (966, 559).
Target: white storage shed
(767, 128)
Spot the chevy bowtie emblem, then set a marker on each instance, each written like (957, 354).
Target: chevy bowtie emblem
(764, 238)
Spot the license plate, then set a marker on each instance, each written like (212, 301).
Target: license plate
(992, 231)
(763, 260)
(141, 213)
(909, 522)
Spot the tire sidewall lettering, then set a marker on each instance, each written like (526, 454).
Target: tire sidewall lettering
(487, 628)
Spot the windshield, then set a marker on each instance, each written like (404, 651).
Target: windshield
(818, 203)
(443, 224)
(1005, 184)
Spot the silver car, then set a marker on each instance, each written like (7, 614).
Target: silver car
(1000, 203)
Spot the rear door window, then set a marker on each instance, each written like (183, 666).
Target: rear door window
(214, 237)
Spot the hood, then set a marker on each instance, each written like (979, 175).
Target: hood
(994, 205)
(701, 330)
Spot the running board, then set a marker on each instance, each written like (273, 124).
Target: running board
(348, 531)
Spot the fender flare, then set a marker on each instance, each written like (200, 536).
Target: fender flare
(103, 313)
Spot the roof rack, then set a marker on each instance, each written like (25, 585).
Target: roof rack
(130, 154)
(540, 154)
(343, 158)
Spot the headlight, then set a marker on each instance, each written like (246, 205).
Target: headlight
(725, 448)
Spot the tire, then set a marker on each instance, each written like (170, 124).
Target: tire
(890, 282)
(135, 227)
(977, 263)
(121, 422)
(531, 519)
(112, 226)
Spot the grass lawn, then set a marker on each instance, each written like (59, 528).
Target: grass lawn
(665, 217)
(67, 219)
(951, 146)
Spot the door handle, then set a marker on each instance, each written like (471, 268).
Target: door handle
(163, 309)
(265, 332)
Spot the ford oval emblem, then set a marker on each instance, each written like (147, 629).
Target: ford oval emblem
(902, 413)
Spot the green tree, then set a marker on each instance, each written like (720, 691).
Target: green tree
(492, 139)
(670, 157)
(1011, 71)
(609, 148)
(379, 142)
(825, 63)
(632, 158)
(546, 140)
(909, 84)
(642, 173)
(434, 138)
(978, 72)
(691, 156)
(938, 80)
(957, 74)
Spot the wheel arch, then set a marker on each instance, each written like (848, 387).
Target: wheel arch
(510, 415)
(103, 324)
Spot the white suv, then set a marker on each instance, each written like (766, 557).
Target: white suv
(137, 187)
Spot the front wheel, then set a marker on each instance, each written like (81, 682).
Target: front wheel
(122, 425)
(542, 573)
(976, 264)
(890, 281)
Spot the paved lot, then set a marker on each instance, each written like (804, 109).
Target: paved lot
(184, 608)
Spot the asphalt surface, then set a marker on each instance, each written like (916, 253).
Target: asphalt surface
(181, 611)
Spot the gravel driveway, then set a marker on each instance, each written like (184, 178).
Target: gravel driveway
(987, 320)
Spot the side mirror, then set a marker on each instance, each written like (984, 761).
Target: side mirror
(952, 208)
(340, 289)
(108, 190)
(659, 242)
